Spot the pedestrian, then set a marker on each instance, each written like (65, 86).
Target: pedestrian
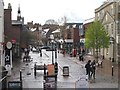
(81, 57)
(25, 50)
(93, 68)
(40, 50)
(88, 68)
(83, 52)
(64, 52)
(100, 63)
(28, 51)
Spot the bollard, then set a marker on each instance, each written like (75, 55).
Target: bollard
(44, 85)
(35, 70)
(44, 72)
(55, 53)
(41, 54)
(55, 82)
(21, 78)
(20, 75)
(112, 70)
(56, 68)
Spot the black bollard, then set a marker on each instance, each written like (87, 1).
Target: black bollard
(35, 70)
(112, 70)
(55, 82)
(41, 54)
(44, 86)
(21, 79)
(55, 53)
(56, 68)
(44, 72)
(20, 75)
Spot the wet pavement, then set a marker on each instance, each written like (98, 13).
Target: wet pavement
(104, 79)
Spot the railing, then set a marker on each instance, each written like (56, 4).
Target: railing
(3, 84)
(3, 78)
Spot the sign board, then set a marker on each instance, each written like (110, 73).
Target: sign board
(7, 57)
(51, 69)
(9, 45)
(15, 84)
(66, 70)
(50, 82)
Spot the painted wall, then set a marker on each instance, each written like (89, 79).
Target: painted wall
(1, 30)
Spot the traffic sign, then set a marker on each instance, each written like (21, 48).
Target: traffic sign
(9, 45)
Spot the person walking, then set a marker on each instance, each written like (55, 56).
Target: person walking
(25, 51)
(40, 51)
(64, 52)
(93, 68)
(88, 69)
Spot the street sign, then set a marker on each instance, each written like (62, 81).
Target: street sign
(66, 71)
(15, 85)
(51, 69)
(50, 82)
(7, 57)
(9, 45)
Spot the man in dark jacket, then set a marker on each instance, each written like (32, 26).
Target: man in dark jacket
(93, 68)
(88, 68)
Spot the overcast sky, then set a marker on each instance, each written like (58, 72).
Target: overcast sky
(39, 11)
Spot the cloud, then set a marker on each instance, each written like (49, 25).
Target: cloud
(42, 10)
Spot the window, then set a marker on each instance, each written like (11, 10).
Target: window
(118, 28)
(112, 9)
(102, 14)
(106, 17)
(118, 49)
(107, 28)
(98, 16)
(111, 28)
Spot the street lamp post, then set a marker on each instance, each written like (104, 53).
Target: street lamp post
(112, 59)
(52, 38)
(112, 42)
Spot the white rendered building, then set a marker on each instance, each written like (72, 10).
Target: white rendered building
(1, 31)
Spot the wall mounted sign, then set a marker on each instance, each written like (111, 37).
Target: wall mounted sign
(9, 45)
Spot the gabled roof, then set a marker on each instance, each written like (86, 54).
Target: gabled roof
(107, 13)
(73, 24)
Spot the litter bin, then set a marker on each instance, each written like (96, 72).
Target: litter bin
(66, 71)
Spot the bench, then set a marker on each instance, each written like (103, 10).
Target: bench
(39, 67)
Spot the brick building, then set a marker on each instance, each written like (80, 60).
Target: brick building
(72, 35)
(12, 30)
(36, 29)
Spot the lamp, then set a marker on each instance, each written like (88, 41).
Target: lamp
(52, 38)
(112, 42)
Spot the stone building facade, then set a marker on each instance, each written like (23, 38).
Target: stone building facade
(109, 14)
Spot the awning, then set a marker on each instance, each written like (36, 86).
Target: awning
(69, 40)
